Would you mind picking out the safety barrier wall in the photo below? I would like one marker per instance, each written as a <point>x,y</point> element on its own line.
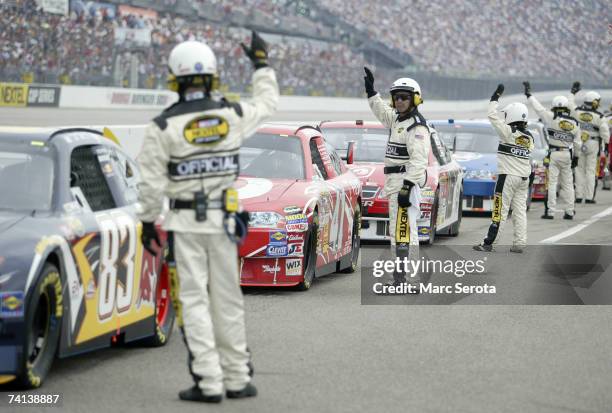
<point>103,98</point>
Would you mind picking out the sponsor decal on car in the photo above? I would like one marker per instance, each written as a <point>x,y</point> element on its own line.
<point>423,230</point>
<point>296,219</point>
<point>295,250</point>
<point>278,238</point>
<point>293,267</point>
<point>292,209</point>
<point>295,238</point>
<point>301,227</point>
<point>276,250</point>
<point>271,269</point>
<point>11,304</point>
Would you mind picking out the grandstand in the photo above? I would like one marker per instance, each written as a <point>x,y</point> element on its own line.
<point>456,49</point>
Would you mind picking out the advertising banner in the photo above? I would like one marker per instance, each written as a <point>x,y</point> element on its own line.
<point>55,6</point>
<point>13,94</point>
<point>44,96</point>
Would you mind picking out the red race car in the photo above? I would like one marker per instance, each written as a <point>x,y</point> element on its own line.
<point>440,198</point>
<point>304,206</point>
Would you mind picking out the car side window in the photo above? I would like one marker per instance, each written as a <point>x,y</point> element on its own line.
<point>317,159</point>
<point>88,168</point>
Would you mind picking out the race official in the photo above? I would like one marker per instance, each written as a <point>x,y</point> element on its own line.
<point>595,135</point>
<point>190,155</point>
<point>563,142</point>
<point>405,162</point>
<point>514,168</point>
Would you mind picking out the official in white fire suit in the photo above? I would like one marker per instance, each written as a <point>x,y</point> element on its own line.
<point>513,170</point>
<point>190,155</point>
<point>563,142</point>
<point>406,159</point>
<point>595,135</point>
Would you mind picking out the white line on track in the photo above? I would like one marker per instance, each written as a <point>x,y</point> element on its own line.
<point>578,227</point>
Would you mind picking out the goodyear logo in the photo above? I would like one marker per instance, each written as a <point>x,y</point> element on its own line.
<point>11,304</point>
<point>522,141</point>
<point>586,117</point>
<point>206,130</point>
<point>566,125</point>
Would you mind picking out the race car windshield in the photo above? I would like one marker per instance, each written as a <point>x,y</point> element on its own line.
<point>272,156</point>
<point>480,140</point>
<point>26,173</point>
<point>369,143</point>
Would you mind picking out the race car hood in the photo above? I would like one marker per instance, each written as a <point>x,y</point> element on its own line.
<point>369,173</point>
<point>8,219</point>
<point>474,161</point>
<point>261,194</point>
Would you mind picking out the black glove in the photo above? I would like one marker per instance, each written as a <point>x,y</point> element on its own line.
<point>498,92</point>
<point>149,234</point>
<point>574,162</point>
<point>575,88</point>
<point>368,79</point>
<point>527,86</point>
<point>258,52</point>
<point>403,198</point>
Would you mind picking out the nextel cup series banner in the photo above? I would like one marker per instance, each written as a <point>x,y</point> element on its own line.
<point>21,95</point>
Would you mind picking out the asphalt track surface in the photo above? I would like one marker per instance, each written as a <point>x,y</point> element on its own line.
<point>323,351</point>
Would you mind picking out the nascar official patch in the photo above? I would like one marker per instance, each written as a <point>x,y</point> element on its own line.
<point>206,130</point>
<point>586,117</point>
<point>566,125</point>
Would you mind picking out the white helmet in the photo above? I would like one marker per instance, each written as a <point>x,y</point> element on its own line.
<point>192,58</point>
<point>408,85</point>
<point>591,97</point>
<point>515,112</point>
<point>560,102</point>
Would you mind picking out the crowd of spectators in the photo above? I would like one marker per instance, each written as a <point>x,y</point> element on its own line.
<point>80,48</point>
<point>560,39</point>
<point>507,37</point>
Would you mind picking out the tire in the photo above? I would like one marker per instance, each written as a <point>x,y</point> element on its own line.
<point>164,311</point>
<point>432,221</point>
<point>310,254</point>
<point>43,324</point>
<point>355,244</point>
<point>454,229</point>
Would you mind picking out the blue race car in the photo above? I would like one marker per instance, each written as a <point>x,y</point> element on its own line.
<point>474,144</point>
<point>74,276</point>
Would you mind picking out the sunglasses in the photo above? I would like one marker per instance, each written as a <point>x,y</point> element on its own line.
<point>402,96</point>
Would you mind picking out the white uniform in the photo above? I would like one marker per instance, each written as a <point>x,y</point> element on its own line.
<point>193,146</point>
<point>563,141</point>
<point>513,170</point>
<point>408,150</point>
<point>594,134</point>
